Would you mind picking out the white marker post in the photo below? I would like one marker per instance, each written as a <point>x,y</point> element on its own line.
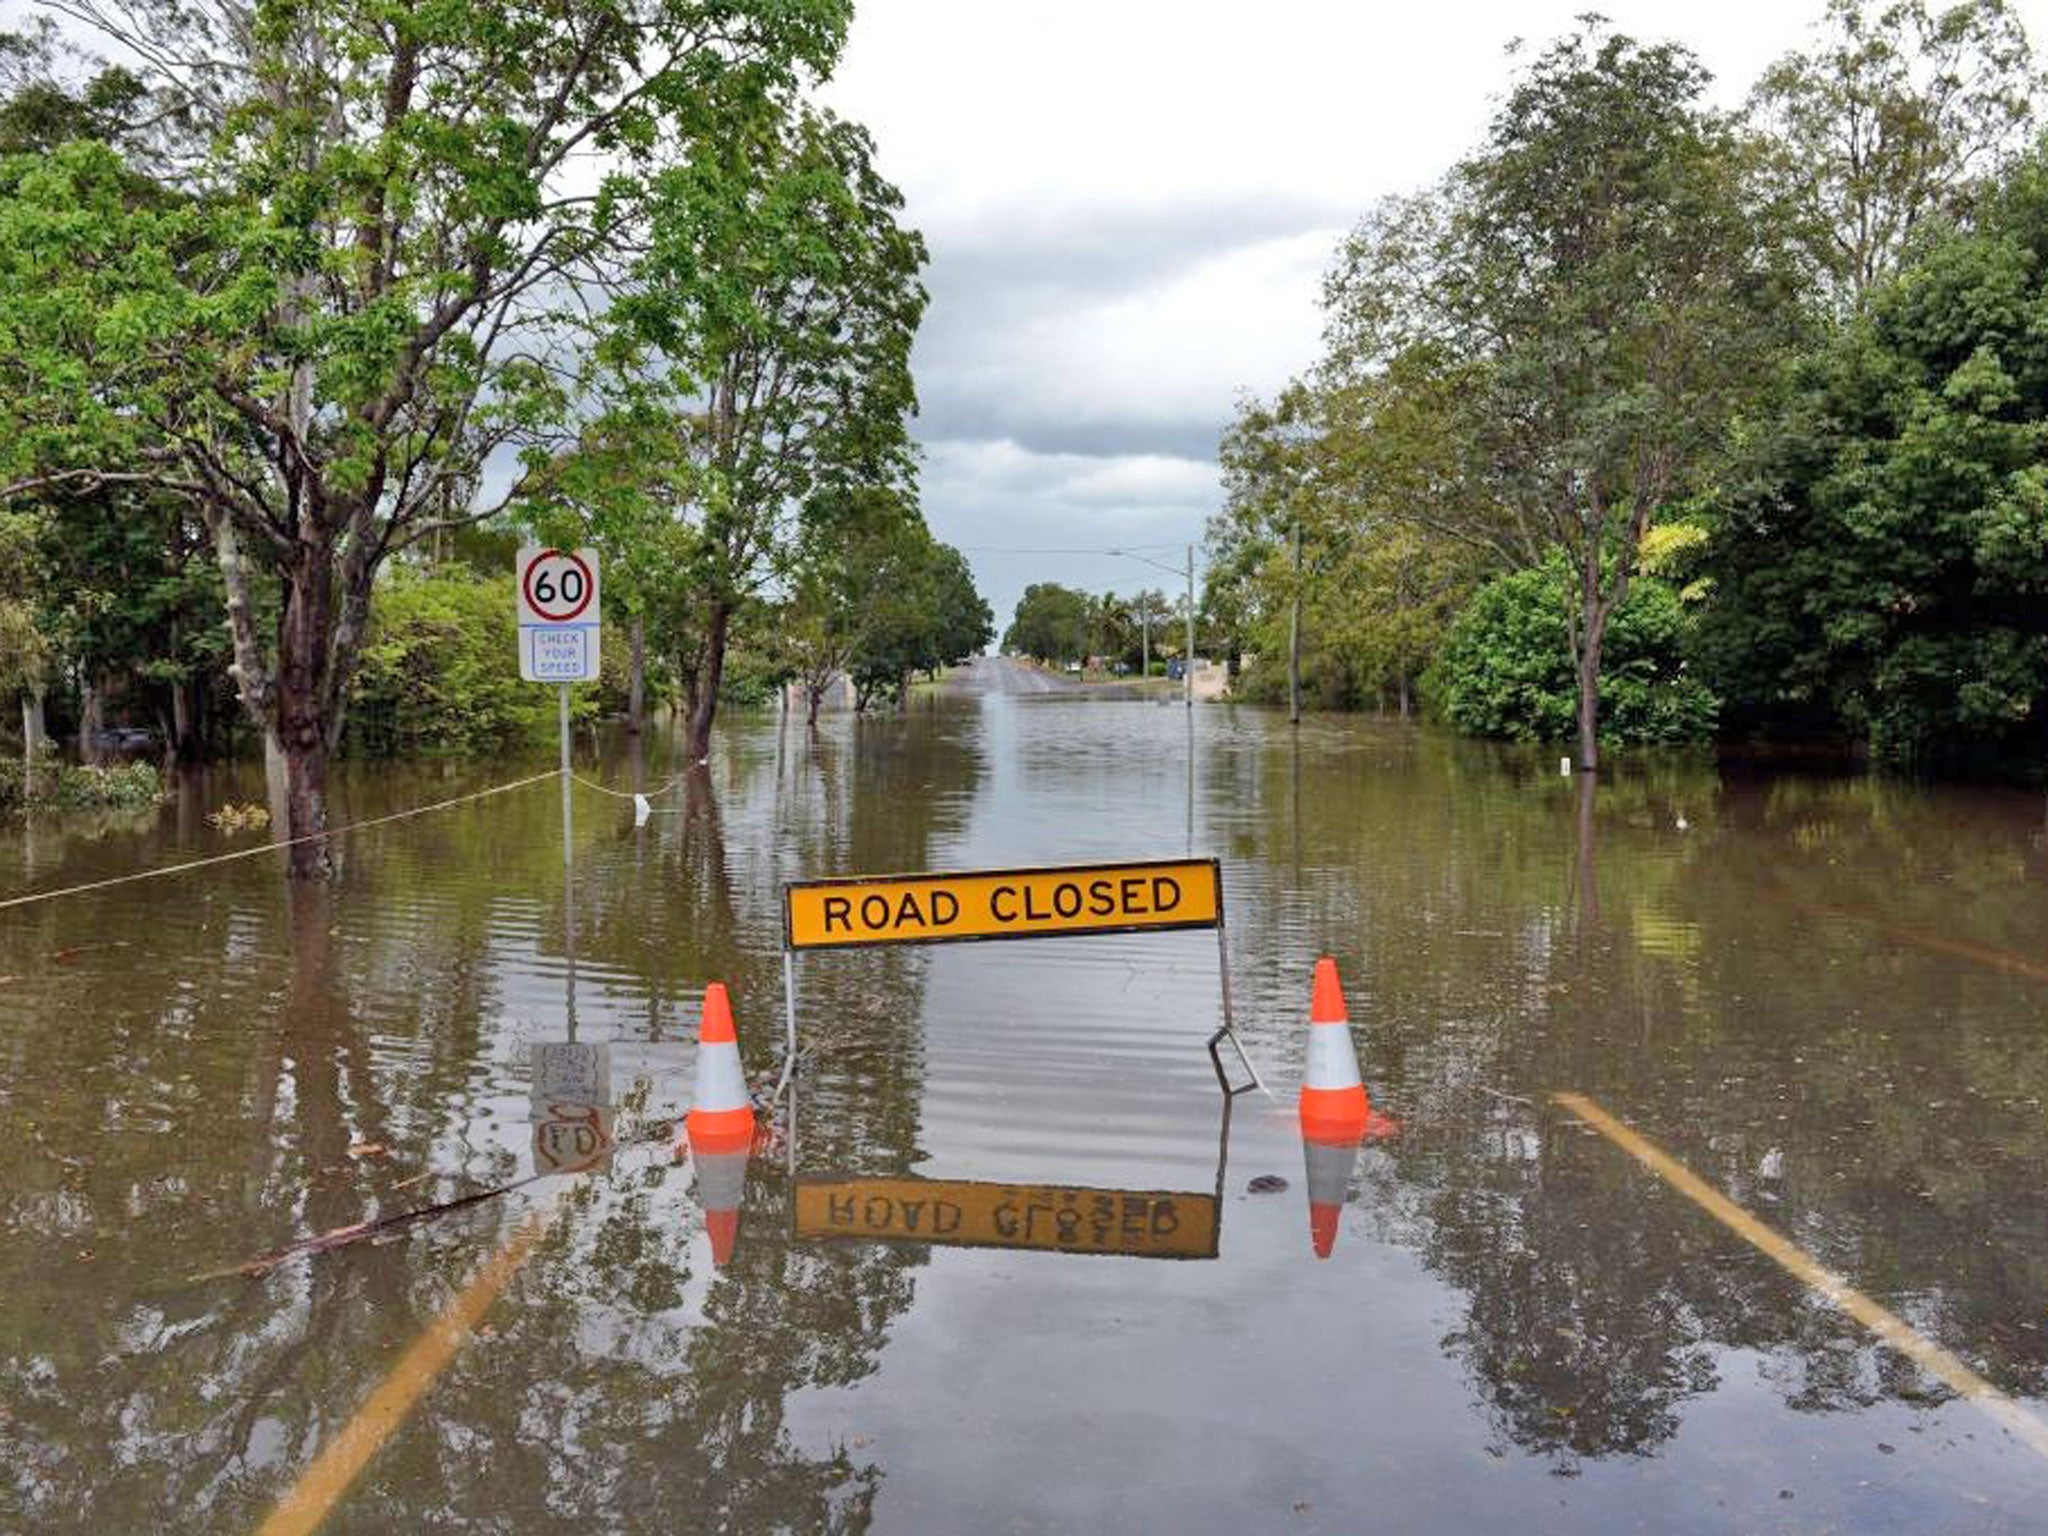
<point>558,634</point>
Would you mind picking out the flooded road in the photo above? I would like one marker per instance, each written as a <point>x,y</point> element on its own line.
<point>1824,997</point>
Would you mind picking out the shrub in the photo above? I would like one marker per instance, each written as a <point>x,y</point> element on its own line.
<point>440,670</point>
<point>1507,670</point>
<point>69,787</point>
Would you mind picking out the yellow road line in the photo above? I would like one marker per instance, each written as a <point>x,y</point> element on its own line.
<point>323,1483</point>
<point>1887,1325</point>
<point>1997,959</point>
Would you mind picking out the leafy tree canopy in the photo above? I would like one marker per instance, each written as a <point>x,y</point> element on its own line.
<point>1052,623</point>
<point>1881,567</point>
<point>1504,671</point>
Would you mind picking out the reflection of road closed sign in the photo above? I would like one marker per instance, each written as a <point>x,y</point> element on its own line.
<point>1136,1223</point>
<point>558,615</point>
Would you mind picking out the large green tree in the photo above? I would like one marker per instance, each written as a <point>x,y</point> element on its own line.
<point>924,614</point>
<point>1596,282</point>
<point>362,305</point>
<point>126,597</point>
<point>1893,119</point>
<point>1052,623</point>
<point>1880,569</point>
<point>854,555</point>
<point>1329,575</point>
<point>781,286</point>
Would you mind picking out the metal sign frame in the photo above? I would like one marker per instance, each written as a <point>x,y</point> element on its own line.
<point>1227,1030</point>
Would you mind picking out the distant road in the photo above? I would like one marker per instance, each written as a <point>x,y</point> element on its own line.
<point>999,674</point>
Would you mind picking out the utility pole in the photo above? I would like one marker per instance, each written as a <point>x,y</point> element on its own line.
<point>1145,635</point>
<point>1188,670</point>
<point>1294,633</point>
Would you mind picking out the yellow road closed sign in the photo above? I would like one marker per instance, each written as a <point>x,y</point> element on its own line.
<point>1003,904</point>
<point>1135,1223</point>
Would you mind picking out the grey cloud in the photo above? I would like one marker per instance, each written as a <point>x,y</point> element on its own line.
<point>1023,257</point>
<point>947,416</point>
<point>1005,347</point>
<point>1022,516</point>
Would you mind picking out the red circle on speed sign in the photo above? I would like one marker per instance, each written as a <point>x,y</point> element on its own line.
<point>586,588</point>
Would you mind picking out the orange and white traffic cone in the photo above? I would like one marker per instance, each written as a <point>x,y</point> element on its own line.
<point>1335,1111</point>
<point>1333,1102</point>
<point>720,1125</point>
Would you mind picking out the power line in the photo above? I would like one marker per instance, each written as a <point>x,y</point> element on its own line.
<point>1121,549</point>
<point>262,848</point>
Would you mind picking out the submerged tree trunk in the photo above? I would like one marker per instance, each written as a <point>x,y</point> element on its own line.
<point>184,742</point>
<point>92,721</point>
<point>303,727</point>
<point>1589,706</point>
<point>296,702</point>
<point>1583,865</point>
<point>34,736</point>
<point>814,695</point>
<point>1589,636</point>
<point>704,695</point>
<point>636,681</point>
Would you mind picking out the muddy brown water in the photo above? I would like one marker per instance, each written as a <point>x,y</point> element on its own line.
<point>1825,995</point>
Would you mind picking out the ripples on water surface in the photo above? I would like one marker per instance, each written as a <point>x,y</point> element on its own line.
<point>1825,995</point>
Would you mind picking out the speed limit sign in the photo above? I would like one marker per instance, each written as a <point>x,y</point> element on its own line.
<point>558,615</point>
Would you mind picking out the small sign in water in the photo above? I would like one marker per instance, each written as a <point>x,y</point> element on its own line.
<point>571,1106</point>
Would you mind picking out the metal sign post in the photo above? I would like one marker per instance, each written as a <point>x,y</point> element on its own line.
<point>559,636</point>
<point>980,905</point>
<point>559,642</point>
<point>568,815</point>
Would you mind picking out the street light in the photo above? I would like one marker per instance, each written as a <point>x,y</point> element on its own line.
<point>1189,669</point>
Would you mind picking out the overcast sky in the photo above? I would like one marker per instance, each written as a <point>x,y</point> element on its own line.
<point>1130,205</point>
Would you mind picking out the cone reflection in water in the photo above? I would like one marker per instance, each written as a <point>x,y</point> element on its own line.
<point>721,1184</point>
<point>1329,1177</point>
<point>720,1125</point>
<point>1330,1162</point>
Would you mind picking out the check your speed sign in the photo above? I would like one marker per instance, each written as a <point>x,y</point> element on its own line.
<point>558,615</point>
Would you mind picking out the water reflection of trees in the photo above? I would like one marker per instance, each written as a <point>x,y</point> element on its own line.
<point>1765,992</point>
<point>663,1394</point>
<point>173,1116</point>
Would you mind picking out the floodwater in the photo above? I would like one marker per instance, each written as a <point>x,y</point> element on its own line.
<point>1823,995</point>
